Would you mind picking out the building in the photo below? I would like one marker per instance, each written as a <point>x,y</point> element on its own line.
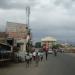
<point>19,32</point>
<point>48,41</point>
<point>3,36</point>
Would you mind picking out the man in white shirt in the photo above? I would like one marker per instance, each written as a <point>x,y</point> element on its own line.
<point>34,55</point>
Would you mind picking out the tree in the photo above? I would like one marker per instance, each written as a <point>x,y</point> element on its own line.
<point>38,44</point>
<point>56,46</point>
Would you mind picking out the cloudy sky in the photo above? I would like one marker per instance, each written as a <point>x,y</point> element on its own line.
<point>48,17</point>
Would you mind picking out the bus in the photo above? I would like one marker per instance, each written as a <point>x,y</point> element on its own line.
<point>5,53</point>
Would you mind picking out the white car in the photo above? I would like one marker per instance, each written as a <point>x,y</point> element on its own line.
<point>50,51</point>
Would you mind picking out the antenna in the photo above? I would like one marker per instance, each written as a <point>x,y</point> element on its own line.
<point>27,15</point>
<point>27,22</point>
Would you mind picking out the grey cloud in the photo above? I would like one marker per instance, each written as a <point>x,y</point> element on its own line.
<point>59,34</point>
<point>46,21</point>
<point>65,3</point>
<point>23,3</point>
<point>4,4</point>
<point>19,4</point>
<point>63,30</point>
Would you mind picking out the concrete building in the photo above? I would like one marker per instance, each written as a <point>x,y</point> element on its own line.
<point>48,41</point>
<point>19,32</point>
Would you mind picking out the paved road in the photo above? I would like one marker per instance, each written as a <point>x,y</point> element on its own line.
<point>63,64</point>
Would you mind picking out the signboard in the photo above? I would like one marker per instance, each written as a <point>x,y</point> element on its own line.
<point>16,30</point>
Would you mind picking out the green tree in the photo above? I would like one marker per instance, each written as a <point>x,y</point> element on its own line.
<point>56,46</point>
<point>38,44</point>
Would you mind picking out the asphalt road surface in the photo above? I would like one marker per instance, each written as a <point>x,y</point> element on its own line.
<point>62,64</point>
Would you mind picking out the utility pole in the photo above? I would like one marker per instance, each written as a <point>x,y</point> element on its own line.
<point>27,22</point>
<point>27,15</point>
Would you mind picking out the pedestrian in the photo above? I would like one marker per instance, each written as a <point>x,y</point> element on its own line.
<point>41,56</point>
<point>34,55</point>
<point>37,59</point>
<point>54,50</point>
<point>46,52</point>
<point>27,58</point>
<point>30,57</point>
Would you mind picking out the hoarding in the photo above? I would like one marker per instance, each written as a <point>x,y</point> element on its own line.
<point>16,30</point>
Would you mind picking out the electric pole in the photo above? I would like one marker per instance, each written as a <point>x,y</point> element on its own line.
<point>27,22</point>
<point>27,15</point>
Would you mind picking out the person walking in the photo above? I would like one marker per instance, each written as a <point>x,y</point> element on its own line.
<point>30,57</point>
<point>37,59</point>
<point>55,52</point>
<point>54,48</point>
<point>41,56</point>
<point>27,58</point>
<point>34,55</point>
<point>46,52</point>
<point>45,49</point>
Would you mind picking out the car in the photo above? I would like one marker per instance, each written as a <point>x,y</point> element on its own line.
<point>50,51</point>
